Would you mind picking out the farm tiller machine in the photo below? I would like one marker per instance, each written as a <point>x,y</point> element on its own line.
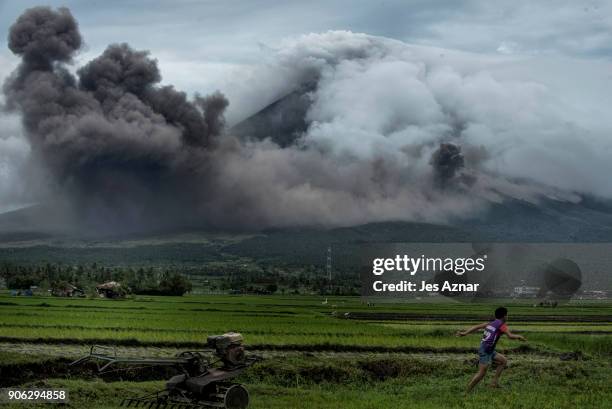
<point>205,376</point>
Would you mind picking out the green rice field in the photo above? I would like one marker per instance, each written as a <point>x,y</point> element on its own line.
<point>343,353</point>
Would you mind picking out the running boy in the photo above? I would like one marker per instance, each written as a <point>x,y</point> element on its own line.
<point>492,331</point>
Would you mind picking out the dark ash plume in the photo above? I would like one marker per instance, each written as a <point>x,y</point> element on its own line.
<point>123,148</point>
<point>42,35</point>
<point>213,106</point>
<point>447,160</point>
<point>119,70</point>
<point>129,154</point>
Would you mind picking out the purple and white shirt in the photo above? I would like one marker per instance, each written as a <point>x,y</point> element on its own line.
<point>491,334</point>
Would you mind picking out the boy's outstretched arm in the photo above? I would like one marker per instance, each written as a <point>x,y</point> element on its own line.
<point>515,336</point>
<point>472,329</point>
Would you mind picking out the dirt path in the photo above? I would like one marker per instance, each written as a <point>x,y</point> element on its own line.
<point>312,348</point>
<point>70,351</point>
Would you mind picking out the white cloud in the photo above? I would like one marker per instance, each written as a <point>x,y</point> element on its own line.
<point>377,95</point>
<point>14,152</point>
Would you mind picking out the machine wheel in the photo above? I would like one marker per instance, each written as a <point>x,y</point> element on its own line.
<point>236,397</point>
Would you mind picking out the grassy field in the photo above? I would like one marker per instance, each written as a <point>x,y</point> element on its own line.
<point>343,354</point>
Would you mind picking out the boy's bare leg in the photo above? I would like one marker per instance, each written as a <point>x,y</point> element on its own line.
<point>501,362</point>
<point>482,370</point>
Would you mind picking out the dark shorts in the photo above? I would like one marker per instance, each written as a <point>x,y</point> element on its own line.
<point>484,357</point>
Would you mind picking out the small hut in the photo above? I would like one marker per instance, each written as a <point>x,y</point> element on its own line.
<point>110,289</point>
<point>66,290</point>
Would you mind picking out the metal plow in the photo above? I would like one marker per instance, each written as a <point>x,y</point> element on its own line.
<point>230,396</point>
<point>155,404</point>
<point>107,360</point>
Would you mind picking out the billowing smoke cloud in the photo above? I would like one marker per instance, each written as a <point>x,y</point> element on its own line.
<point>447,160</point>
<point>513,117</point>
<point>42,36</point>
<point>389,133</point>
<point>124,149</point>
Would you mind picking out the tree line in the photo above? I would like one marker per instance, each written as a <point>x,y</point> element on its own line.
<point>147,281</point>
<point>240,276</point>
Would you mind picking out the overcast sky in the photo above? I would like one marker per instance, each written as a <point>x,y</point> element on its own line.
<point>202,46</point>
<point>198,41</point>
